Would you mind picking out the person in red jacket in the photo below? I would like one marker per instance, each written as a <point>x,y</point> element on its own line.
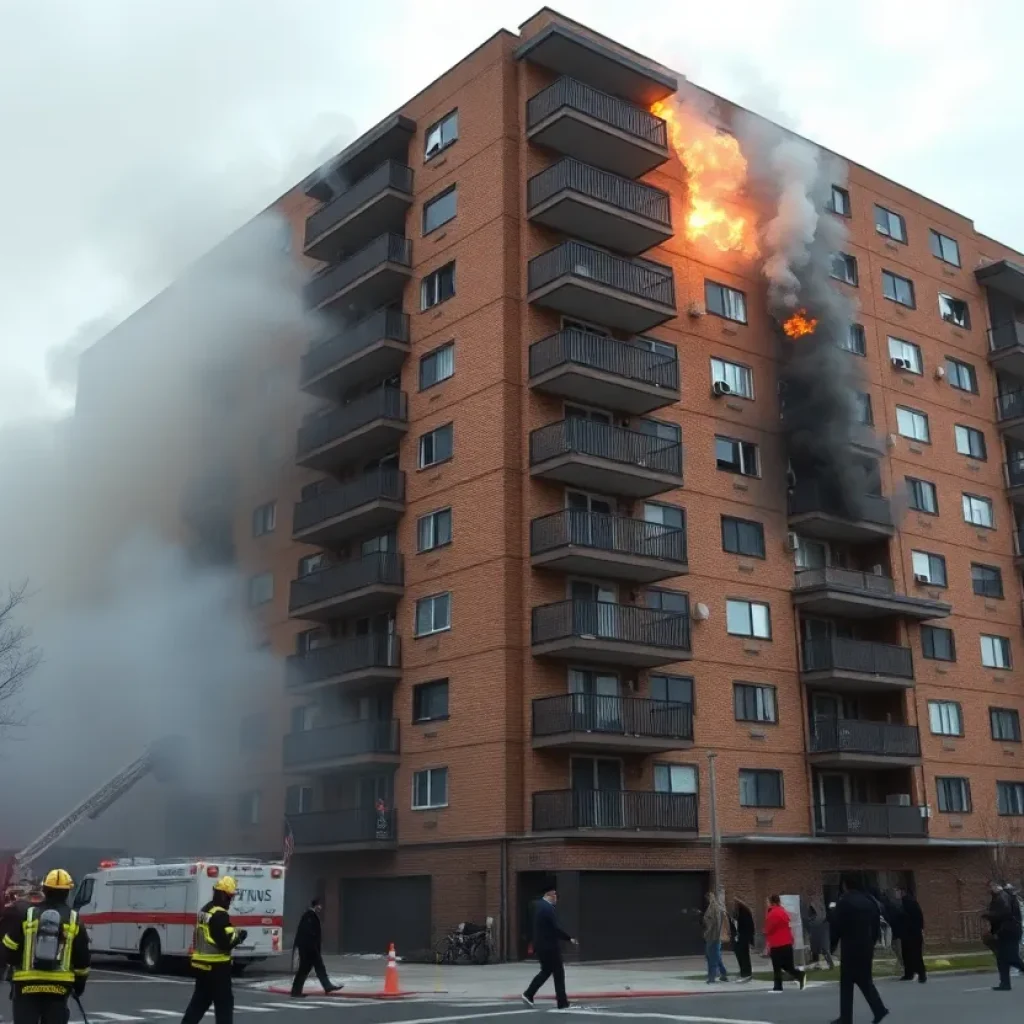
<point>778,937</point>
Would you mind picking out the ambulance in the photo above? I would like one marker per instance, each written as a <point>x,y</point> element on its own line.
<point>146,909</point>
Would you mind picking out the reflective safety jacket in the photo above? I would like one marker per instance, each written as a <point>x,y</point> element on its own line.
<point>70,969</point>
<point>214,938</point>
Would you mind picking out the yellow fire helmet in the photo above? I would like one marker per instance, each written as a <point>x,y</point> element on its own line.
<point>58,878</point>
<point>226,884</point>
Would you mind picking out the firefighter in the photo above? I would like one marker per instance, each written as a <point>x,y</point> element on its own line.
<point>49,953</point>
<point>215,938</point>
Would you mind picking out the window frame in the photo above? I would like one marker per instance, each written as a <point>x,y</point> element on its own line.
<point>417,699</point>
<point>431,805</point>
<point>954,367</point>
<point>431,283</point>
<point>430,204</point>
<point>896,279</point>
<point>432,518</point>
<point>433,354</point>
<point>927,630</point>
<point>917,414</point>
<point>1014,719</point>
<point>750,607</point>
<point>439,126</point>
<point>741,447</point>
<point>434,630</point>
<point>759,773</point>
<point>945,709</point>
<point>939,560</point>
<point>724,291</point>
<point>935,240</point>
<point>844,194</point>
<point>849,261</point>
<point>971,433</point>
<point>1017,788</point>
<point>1005,644</point>
<point>745,522</point>
<point>979,501</point>
<point>755,690</point>
<point>912,482</point>
<point>941,791</point>
<point>421,464</point>
<point>856,342</point>
<point>996,577</point>
<point>745,373</point>
<point>916,362</point>
<point>667,767</point>
<point>251,584</point>
<point>948,318</point>
<point>264,519</point>
<point>889,215</point>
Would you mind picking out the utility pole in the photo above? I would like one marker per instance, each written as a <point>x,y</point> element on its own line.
<point>716,876</point>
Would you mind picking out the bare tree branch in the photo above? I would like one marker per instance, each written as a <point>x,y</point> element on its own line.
<point>18,657</point>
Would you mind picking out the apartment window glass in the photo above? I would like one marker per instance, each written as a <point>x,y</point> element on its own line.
<point>725,302</point>
<point>854,340</point>
<point>953,795</point>
<point>433,614</point>
<point>748,618</point>
<point>438,286</point>
<point>961,375</point>
<point>667,601</point>
<point>986,580</point>
<point>1010,798</point>
<point>303,718</point>
<point>938,643</point>
<point>945,718</point>
<point>995,651</point>
<point>663,431</point>
<point>298,800</point>
<point>430,789</point>
<point>1005,724</point>
<point>249,808</point>
<point>970,442</point>
<point>907,352</point>
<point>675,778</point>
<point>839,201</point>
<point>742,537</point>
<point>672,689</point>
<point>437,446</point>
<point>811,554</point>
<point>669,516</point>
<point>912,423</point>
<point>261,589</point>
<point>954,311</point>
<point>760,788</point>
<point>434,530</point>
<point>312,563</point>
<point>978,511</point>
<point>733,456</point>
<point>844,267</point>
<point>944,248</point>
<point>898,289</point>
<point>922,496</point>
<point>754,703</point>
<point>430,701</point>
<point>890,224</point>
<point>862,407</point>
<point>441,134</point>
<point>437,366</point>
<point>439,210</point>
<point>264,519</point>
<point>738,378</point>
<point>929,568</point>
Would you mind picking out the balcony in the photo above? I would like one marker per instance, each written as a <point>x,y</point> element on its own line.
<point>585,283</point>
<point>596,128</point>
<point>368,427</point>
<point>368,743</point>
<point>370,207</point>
<point>1018,547</point>
<point>606,633</point>
<point>355,663</point>
<point>605,459</point>
<point>595,206</point>
<point>814,513</point>
<point>360,828</point>
<point>598,811</point>
<point>587,367</point>
<point>610,547</point>
<point>857,665</point>
<point>1010,414</point>
<point>359,587</point>
<point>863,595</point>
<point>852,743</point>
<point>368,505</point>
<point>870,821</point>
<point>1014,474</point>
<point>371,350</point>
<point>368,279</point>
<point>591,722</point>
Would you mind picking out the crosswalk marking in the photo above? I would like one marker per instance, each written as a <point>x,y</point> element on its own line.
<point>160,1013</point>
<point>120,1017</point>
<point>256,1009</point>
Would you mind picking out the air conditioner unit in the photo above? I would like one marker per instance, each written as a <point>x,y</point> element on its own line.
<point>792,541</point>
<point>695,310</point>
<point>720,388</point>
<point>899,364</point>
<point>940,372</point>
<point>877,570</point>
<point>898,799</point>
<point>920,578</point>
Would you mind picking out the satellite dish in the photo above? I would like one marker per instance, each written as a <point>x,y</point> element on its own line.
<point>701,611</point>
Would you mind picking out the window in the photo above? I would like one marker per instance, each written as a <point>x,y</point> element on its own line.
<point>898,289</point>
<point>938,643</point>
<point>742,537</point>
<point>675,778</point>
<point>298,800</point>
<point>929,568</point>
<point>434,530</point>
<point>672,689</point>
<point>261,589</point>
<point>312,563</point>
<point>953,795</point>
<point>954,311</point>
<point>748,618</point>
<point>1010,798</point>
<point>986,580</point>
<point>437,446</point>
<point>83,895</point>
<point>433,614</point>
<point>945,718</point>
<point>439,210</point>
<point>669,516</point>
<point>922,496</point>
<point>441,134</point>
<point>734,456</point>
<point>303,718</point>
<point>663,431</point>
<point>253,731</point>
<point>907,351</point>
<point>430,789</point>
<point>1005,724</point>
<point>759,788</point>
<point>438,286</point>
<point>844,267</point>
<point>854,340</point>
<point>264,519</point>
<point>249,808</point>
<point>995,651</point>
<point>430,701</point>
<point>970,442</point>
<point>978,511</point>
<point>961,375</point>
<point>725,302</point>
<point>890,224</point>
<point>912,423</point>
<point>437,366</point>
<point>738,378</point>
<point>944,248</point>
<point>754,703</point>
<point>839,201</point>
<point>862,407</point>
<point>667,601</point>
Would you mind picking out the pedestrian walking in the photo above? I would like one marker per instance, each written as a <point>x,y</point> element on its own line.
<point>308,944</point>
<point>856,927</point>
<point>547,939</point>
<point>778,937</point>
<point>714,923</point>
<point>1006,935</point>
<point>742,933</point>
<point>893,916</point>
<point>818,937</point>
<point>912,939</point>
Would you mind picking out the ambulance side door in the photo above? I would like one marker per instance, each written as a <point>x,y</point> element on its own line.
<point>122,929</point>
<point>179,931</point>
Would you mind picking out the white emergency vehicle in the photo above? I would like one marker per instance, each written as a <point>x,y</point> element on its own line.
<point>147,909</point>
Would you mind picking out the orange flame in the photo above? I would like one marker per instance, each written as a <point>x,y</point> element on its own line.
<point>799,325</point>
<point>716,170</point>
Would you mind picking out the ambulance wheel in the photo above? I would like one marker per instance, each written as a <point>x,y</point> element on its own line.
<point>149,950</point>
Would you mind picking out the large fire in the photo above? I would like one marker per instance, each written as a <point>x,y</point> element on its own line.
<point>716,171</point>
<point>799,325</point>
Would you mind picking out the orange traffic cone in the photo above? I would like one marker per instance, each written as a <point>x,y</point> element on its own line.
<point>391,974</point>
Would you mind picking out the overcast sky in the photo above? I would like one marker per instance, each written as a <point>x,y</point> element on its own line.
<point>135,135</point>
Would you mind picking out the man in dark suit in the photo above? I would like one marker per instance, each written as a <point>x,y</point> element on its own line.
<point>547,939</point>
<point>856,927</point>
<point>308,940</point>
<point>913,937</point>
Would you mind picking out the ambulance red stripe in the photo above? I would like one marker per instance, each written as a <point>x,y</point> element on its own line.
<point>127,917</point>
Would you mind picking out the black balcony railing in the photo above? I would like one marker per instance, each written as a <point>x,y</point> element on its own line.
<point>842,655</point>
<point>881,821</point>
<point>594,352</point>
<point>600,532</point>
<point>335,278</point>
<point>331,828</point>
<point>338,742</point>
<point>1006,335</point>
<point>381,569</point>
<point>1014,470</point>
<point>614,716</point>
<point>863,583</point>
<point>1018,536</point>
<point>831,735</point>
<point>627,810</point>
<point>333,425</point>
<point>353,654</point>
<point>615,623</point>
<point>377,485</point>
<point>390,174</point>
<point>567,92</point>
<point>808,496</point>
<point>1010,406</point>
<point>646,281</point>
<point>605,441</point>
<point>384,324</point>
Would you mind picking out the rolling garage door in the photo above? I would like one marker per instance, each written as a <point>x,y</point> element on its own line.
<point>376,911</point>
<point>633,914</point>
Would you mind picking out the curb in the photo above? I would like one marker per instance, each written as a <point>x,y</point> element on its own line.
<point>631,994</point>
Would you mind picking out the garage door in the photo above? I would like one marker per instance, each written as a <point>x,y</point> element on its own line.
<point>376,911</point>
<point>627,914</point>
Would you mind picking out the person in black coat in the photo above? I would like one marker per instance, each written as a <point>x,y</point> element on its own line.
<point>741,927</point>
<point>547,939</point>
<point>1006,933</point>
<point>856,927</point>
<point>308,942</point>
<point>912,937</point>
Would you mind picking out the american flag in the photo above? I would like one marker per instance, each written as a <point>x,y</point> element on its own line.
<point>289,842</point>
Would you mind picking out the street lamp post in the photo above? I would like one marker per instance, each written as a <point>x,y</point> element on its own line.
<point>716,876</point>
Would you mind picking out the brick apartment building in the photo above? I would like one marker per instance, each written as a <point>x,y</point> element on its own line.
<point>541,561</point>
